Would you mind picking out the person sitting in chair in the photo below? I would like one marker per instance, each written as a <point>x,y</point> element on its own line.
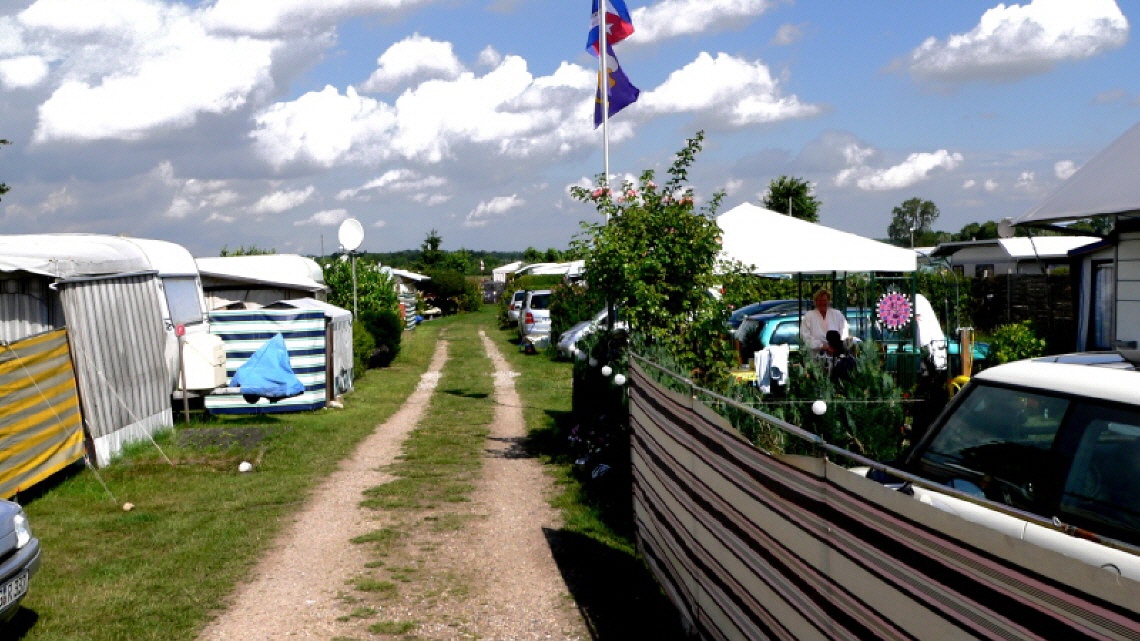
<point>816,323</point>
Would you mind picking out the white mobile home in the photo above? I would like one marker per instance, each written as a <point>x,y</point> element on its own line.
<point>105,291</point>
<point>252,282</point>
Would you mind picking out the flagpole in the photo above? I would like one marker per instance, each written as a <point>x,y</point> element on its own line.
<point>604,79</point>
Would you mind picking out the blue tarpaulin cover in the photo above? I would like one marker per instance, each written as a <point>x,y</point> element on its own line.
<point>268,373</point>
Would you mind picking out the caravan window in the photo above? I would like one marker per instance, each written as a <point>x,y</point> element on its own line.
<point>183,299</point>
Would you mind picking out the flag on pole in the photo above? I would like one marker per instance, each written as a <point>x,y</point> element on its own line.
<point>622,93</point>
<point>619,25</point>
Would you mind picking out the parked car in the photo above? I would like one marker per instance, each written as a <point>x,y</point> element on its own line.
<point>568,340</point>
<point>20,554</point>
<point>515,305</point>
<point>758,331</point>
<point>1055,437</point>
<point>766,307</point>
<point>534,317</point>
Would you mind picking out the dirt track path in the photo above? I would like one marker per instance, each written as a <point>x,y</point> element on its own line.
<point>295,589</point>
<point>515,588</point>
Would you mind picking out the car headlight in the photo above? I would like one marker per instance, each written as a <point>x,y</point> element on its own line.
<point>23,530</point>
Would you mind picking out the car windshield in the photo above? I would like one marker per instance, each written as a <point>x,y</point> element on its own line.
<point>999,439</point>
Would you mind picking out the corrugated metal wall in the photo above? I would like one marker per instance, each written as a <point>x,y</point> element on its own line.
<point>41,431</point>
<point>27,307</point>
<point>118,341</point>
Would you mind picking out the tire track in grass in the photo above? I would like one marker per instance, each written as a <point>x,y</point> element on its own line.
<point>296,589</point>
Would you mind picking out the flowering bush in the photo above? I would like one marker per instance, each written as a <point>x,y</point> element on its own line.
<point>655,258</point>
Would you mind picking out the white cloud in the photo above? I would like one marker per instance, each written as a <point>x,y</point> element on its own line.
<point>431,200</point>
<point>916,168</point>
<point>969,184</point>
<point>217,217</point>
<point>1026,181</point>
<point>494,208</point>
<point>22,72</point>
<point>672,18</point>
<point>1064,168</point>
<point>279,16</point>
<point>990,185</point>
<point>282,201</point>
<point>733,186</point>
<point>380,223</point>
<point>508,111</point>
<point>735,90</point>
<point>413,60</point>
<point>489,57</point>
<point>321,127</point>
<point>403,181</point>
<point>1018,40</point>
<point>130,68</point>
<point>326,218</point>
<point>788,34</point>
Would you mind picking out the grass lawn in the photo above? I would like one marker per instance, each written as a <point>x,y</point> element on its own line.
<point>198,527</point>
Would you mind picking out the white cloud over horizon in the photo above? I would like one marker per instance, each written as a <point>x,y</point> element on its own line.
<point>497,207</point>
<point>1012,41</point>
<point>916,168</point>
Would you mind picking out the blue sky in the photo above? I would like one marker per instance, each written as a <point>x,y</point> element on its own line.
<point>268,122</point>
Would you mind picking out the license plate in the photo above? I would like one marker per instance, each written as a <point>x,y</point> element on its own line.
<point>11,591</point>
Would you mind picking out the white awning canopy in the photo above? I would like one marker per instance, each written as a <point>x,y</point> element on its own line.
<point>773,243</point>
<point>288,270</point>
<point>71,255</point>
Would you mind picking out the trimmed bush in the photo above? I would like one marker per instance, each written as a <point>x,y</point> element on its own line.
<point>386,328</point>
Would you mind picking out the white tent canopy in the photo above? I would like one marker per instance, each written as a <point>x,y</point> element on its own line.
<point>291,270</point>
<point>1104,185</point>
<point>773,243</point>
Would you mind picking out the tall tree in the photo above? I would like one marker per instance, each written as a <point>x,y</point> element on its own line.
<point>913,216</point>
<point>4,187</point>
<point>430,254</point>
<point>792,196</point>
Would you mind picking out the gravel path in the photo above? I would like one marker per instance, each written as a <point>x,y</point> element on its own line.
<point>295,588</point>
<point>515,588</point>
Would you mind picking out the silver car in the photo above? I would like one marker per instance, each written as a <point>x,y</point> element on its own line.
<point>20,554</point>
<point>534,317</point>
<point>516,305</point>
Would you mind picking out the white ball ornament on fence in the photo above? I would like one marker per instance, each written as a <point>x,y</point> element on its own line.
<point>818,408</point>
<point>619,379</point>
<point>593,362</point>
<point>580,355</point>
<point>607,370</point>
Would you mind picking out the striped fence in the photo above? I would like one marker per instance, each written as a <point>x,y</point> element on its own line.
<point>750,545</point>
<point>41,429</point>
<point>244,331</point>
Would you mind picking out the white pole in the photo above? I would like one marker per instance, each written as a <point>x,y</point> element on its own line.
<point>604,80</point>
<point>355,312</point>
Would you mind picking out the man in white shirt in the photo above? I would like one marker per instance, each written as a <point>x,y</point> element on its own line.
<point>817,322</point>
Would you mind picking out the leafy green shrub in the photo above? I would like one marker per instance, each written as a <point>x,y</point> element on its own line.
<point>471,299</point>
<point>1014,342</point>
<point>386,328</point>
<point>571,304</point>
<point>449,288</point>
<point>374,289</point>
<point>864,411</point>
<point>362,347</point>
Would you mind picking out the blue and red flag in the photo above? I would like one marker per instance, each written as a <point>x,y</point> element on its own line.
<point>622,93</point>
<point>619,25</point>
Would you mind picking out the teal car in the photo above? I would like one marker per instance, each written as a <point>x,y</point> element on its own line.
<point>759,331</point>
